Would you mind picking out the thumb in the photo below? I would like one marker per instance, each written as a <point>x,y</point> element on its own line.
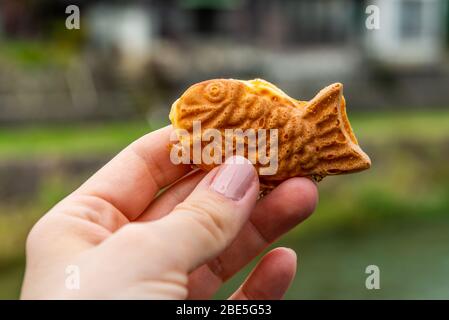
<point>202,226</point>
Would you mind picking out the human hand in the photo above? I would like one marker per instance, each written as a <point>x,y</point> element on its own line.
<point>128,240</point>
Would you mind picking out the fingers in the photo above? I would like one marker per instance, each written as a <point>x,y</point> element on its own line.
<point>131,179</point>
<point>281,210</point>
<point>271,277</point>
<point>174,195</point>
<point>278,212</point>
<point>209,219</point>
<point>286,206</point>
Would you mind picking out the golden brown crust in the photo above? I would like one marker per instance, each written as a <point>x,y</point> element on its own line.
<point>315,138</point>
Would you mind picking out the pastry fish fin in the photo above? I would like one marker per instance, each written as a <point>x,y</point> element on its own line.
<point>333,141</point>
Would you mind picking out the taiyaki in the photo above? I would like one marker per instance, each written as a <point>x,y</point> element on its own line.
<point>314,138</point>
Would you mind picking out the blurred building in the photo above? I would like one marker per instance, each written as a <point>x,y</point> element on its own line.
<point>414,33</point>
<point>303,45</point>
<point>137,55</point>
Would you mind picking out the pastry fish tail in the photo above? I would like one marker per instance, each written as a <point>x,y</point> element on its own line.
<point>334,145</point>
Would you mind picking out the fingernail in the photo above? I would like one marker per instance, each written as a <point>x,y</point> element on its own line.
<point>234,178</point>
<point>293,252</point>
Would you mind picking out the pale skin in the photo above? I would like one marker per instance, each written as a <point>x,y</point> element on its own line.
<point>131,241</point>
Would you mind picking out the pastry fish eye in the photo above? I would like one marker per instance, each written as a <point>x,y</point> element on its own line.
<point>215,91</point>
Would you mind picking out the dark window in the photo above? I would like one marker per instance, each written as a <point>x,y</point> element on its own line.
<point>411,19</point>
<point>318,21</point>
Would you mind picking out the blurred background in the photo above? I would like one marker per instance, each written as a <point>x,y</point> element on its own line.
<point>71,99</point>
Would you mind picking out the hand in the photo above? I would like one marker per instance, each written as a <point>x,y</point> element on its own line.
<point>129,240</point>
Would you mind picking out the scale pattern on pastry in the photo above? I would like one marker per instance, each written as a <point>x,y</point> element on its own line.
<point>315,138</point>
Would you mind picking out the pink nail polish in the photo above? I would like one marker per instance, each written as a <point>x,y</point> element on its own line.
<point>234,178</point>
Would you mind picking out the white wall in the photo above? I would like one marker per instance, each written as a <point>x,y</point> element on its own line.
<point>388,45</point>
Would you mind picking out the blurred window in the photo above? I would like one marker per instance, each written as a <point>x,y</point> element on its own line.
<point>411,24</point>
<point>317,22</point>
<point>209,17</point>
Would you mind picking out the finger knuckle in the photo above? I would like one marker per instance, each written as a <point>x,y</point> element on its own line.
<point>133,233</point>
<point>138,235</point>
<point>32,240</point>
<point>40,237</point>
<point>209,217</point>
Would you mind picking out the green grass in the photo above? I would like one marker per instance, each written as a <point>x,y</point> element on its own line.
<point>417,125</point>
<point>69,140</point>
<point>11,280</point>
<point>57,51</point>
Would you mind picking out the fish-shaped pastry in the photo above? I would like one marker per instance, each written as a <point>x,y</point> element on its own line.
<point>314,138</point>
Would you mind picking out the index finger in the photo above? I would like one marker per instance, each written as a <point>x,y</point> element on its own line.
<point>132,178</point>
